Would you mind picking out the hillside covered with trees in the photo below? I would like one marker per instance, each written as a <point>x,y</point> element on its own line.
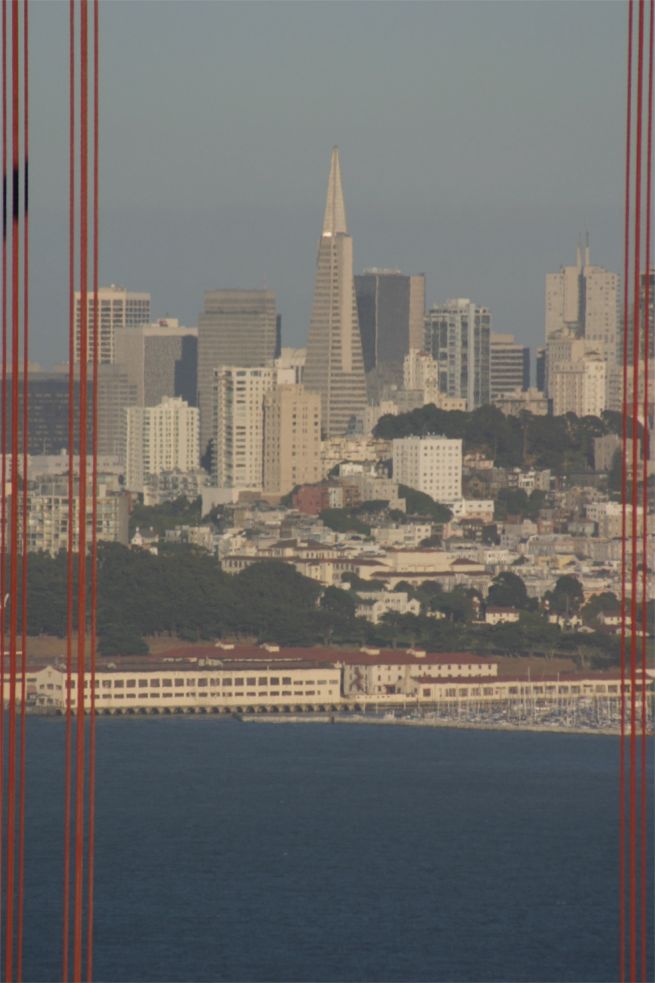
<point>183,593</point>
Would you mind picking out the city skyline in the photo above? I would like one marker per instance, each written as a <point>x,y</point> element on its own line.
<point>476,193</point>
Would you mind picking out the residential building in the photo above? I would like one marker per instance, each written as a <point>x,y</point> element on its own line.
<point>160,359</point>
<point>160,438</point>
<point>429,464</point>
<point>292,438</point>
<point>118,308</point>
<point>237,327</point>
<point>391,309</point>
<point>457,335</point>
<point>290,366</point>
<point>579,386</point>
<point>48,514</point>
<point>238,426</point>
<point>513,403</point>
<point>334,366</point>
<point>509,365</point>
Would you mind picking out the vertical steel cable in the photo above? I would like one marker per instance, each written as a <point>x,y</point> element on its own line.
<point>3,425</point>
<point>624,495</point>
<point>78,905</point>
<point>94,502</point>
<point>10,878</point>
<point>634,498</point>
<point>25,545</point>
<point>645,446</point>
<point>71,494</point>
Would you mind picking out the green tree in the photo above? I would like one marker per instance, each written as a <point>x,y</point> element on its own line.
<point>566,597</point>
<point>508,590</point>
<point>418,503</point>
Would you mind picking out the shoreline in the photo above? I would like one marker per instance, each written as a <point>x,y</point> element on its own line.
<point>443,724</point>
<point>359,720</point>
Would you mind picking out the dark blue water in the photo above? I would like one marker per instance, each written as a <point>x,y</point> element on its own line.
<point>229,851</point>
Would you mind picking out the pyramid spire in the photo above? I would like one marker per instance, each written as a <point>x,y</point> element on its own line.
<point>334,220</point>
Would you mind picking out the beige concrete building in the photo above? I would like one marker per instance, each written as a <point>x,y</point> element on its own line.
<point>118,309</point>
<point>522,401</point>
<point>292,438</point>
<point>580,386</point>
<point>238,426</point>
<point>160,438</point>
<point>584,300</point>
<point>251,684</point>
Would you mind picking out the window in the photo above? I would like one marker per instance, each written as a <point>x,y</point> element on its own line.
<point>275,680</point>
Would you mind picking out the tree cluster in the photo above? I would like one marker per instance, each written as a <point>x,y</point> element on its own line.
<point>561,443</point>
<point>183,593</point>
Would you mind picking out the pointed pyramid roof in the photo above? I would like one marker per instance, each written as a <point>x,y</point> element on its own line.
<point>334,220</point>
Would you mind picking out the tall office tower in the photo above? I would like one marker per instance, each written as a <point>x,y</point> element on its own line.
<point>430,464</point>
<point>510,365</point>
<point>115,395</point>
<point>118,309</point>
<point>160,438</point>
<point>47,394</point>
<point>238,427</point>
<point>457,335</point>
<point>584,300</point>
<point>160,359</point>
<point>237,327</point>
<point>292,438</point>
<point>391,309</point>
<point>540,369</point>
<point>334,366</point>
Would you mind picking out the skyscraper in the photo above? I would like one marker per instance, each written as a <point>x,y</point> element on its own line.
<point>160,359</point>
<point>391,308</point>
<point>118,308</point>
<point>237,327</point>
<point>334,365</point>
<point>292,438</point>
<point>238,427</point>
<point>510,365</point>
<point>160,438</point>
<point>457,335</point>
<point>584,300</point>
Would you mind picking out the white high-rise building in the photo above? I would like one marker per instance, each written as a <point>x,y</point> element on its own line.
<point>160,438</point>
<point>585,301</point>
<point>238,429</point>
<point>429,464</point>
<point>118,308</point>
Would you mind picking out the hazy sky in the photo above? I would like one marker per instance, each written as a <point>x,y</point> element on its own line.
<point>477,140</point>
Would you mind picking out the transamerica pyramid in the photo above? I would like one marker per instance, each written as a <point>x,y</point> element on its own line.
<point>334,365</point>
